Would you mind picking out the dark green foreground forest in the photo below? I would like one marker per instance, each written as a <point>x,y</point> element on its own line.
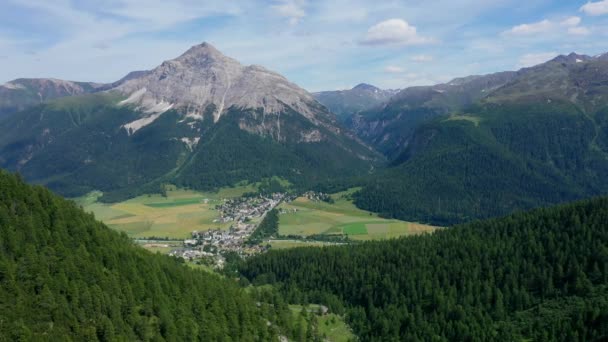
<point>65,276</point>
<point>541,275</point>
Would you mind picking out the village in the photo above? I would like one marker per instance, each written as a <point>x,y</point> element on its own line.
<point>244,213</point>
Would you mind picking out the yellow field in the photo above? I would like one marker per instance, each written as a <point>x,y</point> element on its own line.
<point>174,216</point>
<point>342,217</point>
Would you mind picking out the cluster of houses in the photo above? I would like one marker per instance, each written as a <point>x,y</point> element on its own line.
<point>244,209</point>
<point>211,243</point>
<point>316,196</point>
<point>190,254</point>
<point>223,239</point>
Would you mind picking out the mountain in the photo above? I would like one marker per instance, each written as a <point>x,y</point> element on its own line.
<point>345,103</point>
<point>201,120</point>
<point>539,139</point>
<point>389,127</point>
<point>65,276</point>
<point>22,93</point>
<point>536,276</point>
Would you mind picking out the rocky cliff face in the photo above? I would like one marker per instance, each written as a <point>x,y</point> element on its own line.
<point>203,76</point>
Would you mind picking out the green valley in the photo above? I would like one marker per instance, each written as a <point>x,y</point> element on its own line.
<point>304,217</point>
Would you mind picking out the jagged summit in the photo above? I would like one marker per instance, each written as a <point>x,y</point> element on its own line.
<point>203,76</point>
<point>203,55</point>
<point>572,58</point>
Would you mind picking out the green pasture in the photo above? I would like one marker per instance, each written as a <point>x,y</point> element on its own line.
<point>304,217</point>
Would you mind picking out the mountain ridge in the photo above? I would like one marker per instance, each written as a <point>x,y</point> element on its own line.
<point>201,120</point>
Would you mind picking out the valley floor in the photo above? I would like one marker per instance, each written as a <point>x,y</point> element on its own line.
<point>165,223</point>
<point>305,217</point>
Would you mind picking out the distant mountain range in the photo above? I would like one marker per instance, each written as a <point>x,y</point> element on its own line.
<point>201,120</point>
<point>22,93</point>
<point>346,103</point>
<point>474,147</point>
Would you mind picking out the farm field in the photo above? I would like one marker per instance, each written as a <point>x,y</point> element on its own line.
<point>304,217</point>
<point>174,216</point>
<point>284,244</point>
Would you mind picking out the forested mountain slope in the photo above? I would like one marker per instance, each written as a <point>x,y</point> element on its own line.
<point>389,127</point>
<point>541,276</point>
<point>201,120</point>
<point>65,276</point>
<point>540,139</point>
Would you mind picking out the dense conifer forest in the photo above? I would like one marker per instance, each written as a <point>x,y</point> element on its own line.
<point>541,275</point>
<point>65,276</point>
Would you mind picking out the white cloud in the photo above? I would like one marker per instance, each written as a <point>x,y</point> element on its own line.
<point>579,31</point>
<point>595,8</point>
<point>394,31</point>
<point>422,58</point>
<point>531,29</point>
<point>291,9</point>
<point>569,25</point>
<point>532,59</point>
<point>571,22</point>
<point>391,69</point>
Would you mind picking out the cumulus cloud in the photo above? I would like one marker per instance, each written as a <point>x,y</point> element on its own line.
<point>394,31</point>
<point>532,59</point>
<point>392,69</point>
<point>422,58</point>
<point>293,10</point>
<point>595,8</point>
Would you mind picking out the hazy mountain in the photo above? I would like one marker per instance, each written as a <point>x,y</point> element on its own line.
<point>201,120</point>
<point>22,93</point>
<point>389,127</point>
<point>345,103</point>
<point>540,138</point>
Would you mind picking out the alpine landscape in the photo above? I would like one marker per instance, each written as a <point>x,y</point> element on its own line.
<point>181,191</point>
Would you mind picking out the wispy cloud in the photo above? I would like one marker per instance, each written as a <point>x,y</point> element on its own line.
<point>392,69</point>
<point>317,44</point>
<point>568,25</point>
<point>422,58</point>
<point>293,10</point>
<point>531,59</point>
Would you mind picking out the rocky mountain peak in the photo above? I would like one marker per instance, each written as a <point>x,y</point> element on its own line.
<point>203,76</point>
<point>203,55</point>
<point>572,58</point>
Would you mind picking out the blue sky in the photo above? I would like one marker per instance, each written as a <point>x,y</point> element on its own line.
<point>317,44</point>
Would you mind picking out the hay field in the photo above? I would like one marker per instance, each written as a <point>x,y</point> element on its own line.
<point>174,216</point>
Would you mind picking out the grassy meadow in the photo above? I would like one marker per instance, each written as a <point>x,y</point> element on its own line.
<point>182,211</point>
<point>331,326</point>
<point>174,216</point>
<point>342,217</point>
